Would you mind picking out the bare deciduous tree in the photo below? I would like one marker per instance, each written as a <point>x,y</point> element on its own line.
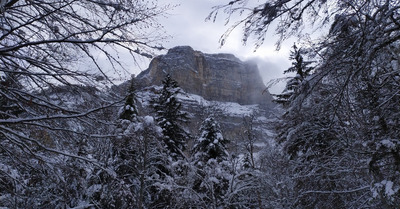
<point>51,55</point>
<point>44,43</point>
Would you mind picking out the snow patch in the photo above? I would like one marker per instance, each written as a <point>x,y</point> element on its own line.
<point>228,108</point>
<point>148,120</point>
<point>386,187</point>
<point>388,143</point>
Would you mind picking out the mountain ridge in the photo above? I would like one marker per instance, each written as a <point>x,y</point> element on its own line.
<point>218,77</point>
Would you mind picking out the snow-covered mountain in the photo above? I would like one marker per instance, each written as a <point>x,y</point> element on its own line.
<point>216,77</point>
<point>218,84</point>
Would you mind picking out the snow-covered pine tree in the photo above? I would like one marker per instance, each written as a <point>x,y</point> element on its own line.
<point>302,69</point>
<point>109,189</point>
<point>129,110</point>
<point>210,144</point>
<point>119,191</point>
<point>249,137</point>
<point>247,162</point>
<point>127,118</point>
<point>170,116</point>
<point>210,158</point>
<point>140,160</point>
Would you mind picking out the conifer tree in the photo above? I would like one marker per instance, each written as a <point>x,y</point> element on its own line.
<point>302,70</point>
<point>127,117</point>
<point>129,110</point>
<point>141,160</point>
<point>211,143</point>
<point>210,159</point>
<point>120,191</point>
<point>247,163</point>
<point>170,116</point>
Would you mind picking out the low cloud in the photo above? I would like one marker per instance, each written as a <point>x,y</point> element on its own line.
<point>271,70</point>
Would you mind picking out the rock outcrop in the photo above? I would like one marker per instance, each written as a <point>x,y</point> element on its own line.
<point>217,77</point>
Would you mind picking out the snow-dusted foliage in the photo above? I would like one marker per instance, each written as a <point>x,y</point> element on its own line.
<point>337,139</point>
<point>129,110</point>
<point>53,170</point>
<point>210,164</point>
<point>170,117</point>
<point>210,144</point>
<point>55,117</point>
<point>340,131</point>
<point>301,69</point>
<point>141,163</point>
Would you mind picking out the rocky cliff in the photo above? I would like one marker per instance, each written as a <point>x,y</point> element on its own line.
<point>217,77</point>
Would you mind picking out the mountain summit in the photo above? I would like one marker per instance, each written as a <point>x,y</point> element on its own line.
<point>217,77</point>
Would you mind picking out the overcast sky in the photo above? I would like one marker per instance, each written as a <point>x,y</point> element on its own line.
<point>187,26</point>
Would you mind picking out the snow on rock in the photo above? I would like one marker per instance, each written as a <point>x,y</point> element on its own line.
<point>228,108</point>
<point>235,109</point>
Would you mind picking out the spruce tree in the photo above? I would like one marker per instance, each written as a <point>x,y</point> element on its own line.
<point>127,119</point>
<point>302,70</point>
<point>140,159</point>
<point>129,110</point>
<point>210,144</point>
<point>210,159</point>
<point>119,191</point>
<point>170,116</point>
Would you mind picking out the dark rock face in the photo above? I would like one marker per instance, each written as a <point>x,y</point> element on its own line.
<point>218,77</point>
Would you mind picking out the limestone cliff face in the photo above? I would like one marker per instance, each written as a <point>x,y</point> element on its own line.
<point>218,77</point>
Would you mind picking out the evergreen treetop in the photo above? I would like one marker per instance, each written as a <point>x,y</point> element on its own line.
<point>170,116</point>
<point>211,143</point>
<point>302,69</point>
<point>129,110</point>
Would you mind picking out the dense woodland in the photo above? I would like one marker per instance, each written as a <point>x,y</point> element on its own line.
<point>66,141</point>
